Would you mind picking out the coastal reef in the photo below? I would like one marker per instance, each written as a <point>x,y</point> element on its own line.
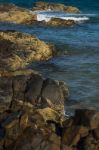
<point>11,13</point>
<point>55,6</point>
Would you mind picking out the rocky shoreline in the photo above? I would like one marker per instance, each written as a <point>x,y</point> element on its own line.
<point>31,106</point>
<point>32,115</point>
<point>15,14</point>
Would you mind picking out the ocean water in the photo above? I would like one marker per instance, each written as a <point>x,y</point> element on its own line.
<point>79,66</point>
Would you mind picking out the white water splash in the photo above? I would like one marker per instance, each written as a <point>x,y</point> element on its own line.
<point>45,16</point>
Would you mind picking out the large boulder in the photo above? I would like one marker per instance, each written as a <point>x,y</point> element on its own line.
<point>22,120</point>
<point>33,89</point>
<point>29,87</point>
<point>55,6</point>
<point>54,90</point>
<point>46,92</point>
<point>19,49</point>
<point>15,14</point>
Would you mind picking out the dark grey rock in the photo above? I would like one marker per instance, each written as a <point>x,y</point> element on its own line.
<point>54,91</point>
<point>33,89</point>
<point>6,93</point>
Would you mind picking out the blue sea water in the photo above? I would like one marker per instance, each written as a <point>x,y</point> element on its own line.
<point>79,67</point>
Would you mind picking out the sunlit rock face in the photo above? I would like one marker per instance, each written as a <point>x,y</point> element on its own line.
<point>15,14</point>
<point>57,7</point>
<point>18,50</point>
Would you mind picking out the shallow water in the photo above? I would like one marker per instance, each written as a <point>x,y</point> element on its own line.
<point>79,67</point>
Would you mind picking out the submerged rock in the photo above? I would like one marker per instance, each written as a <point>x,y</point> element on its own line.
<point>19,49</point>
<point>55,6</point>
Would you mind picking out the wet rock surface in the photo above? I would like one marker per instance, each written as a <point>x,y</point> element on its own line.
<point>19,49</point>
<point>61,22</point>
<point>58,7</point>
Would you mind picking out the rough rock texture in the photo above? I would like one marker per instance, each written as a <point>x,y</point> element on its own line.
<point>29,128</point>
<point>60,22</point>
<point>57,7</point>
<point>23,109</point>
<point>88,118</point>
<point>15,14</point>
<point>32,88</point>
<point>78,132</point>
<point>32,107</point>
<point>35,119</point>
<point>31,118</point>
<point>17,50</point>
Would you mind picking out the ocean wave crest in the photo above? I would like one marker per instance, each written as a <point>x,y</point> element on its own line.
<point>46,17</point>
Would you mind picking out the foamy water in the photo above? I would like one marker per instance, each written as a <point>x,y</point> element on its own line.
<point>48,15</point>
<point>41,17</point>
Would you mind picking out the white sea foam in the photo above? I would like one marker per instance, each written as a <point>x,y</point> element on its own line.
<point>76,19</point>
<point>43,17</point>
<point>46,17</point>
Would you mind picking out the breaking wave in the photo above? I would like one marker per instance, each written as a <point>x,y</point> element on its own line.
<point>47,15</point>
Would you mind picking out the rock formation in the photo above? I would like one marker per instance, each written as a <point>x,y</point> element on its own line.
<point>31,106</point>
<point>14,14</point>
<point>61,22</point>
<point>55,6</point>
<point>18,50</point>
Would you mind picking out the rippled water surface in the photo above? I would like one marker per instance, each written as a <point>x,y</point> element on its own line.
<point>79,67</point>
